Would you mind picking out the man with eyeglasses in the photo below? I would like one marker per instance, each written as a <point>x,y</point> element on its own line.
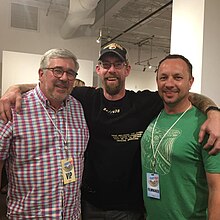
<point>117,118</point>
<point>59,71</point>
<point>44,145</point>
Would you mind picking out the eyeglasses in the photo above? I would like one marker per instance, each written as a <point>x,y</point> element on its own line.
<point>58,72</point>
<point>107,65</point>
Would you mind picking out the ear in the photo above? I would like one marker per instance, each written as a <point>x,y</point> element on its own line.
<point>156,76</point>
<point>191,82</point>
<point>97,68</point>
<point>128,70</point>
<point>40,73</point>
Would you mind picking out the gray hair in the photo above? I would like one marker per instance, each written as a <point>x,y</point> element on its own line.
<point>58,53</point>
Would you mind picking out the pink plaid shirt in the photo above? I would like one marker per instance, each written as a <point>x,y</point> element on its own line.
<point>33,150</point>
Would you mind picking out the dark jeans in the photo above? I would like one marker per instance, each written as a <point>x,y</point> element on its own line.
<point>89,212</point>
<point>4,178</point>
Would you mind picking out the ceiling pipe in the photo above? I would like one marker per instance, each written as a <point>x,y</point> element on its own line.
<point>81,12</point>
<point>138,23</point>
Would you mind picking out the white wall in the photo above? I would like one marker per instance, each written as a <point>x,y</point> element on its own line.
<point>38,42</point>
<point>187,35</point>
<point>211,57</point>
<point>48,36</point>
<point>27,66</point>
<point>139,79</point>
<point>195,34</point>
<point>86,48</point>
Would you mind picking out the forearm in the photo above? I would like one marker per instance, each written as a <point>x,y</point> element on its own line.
<point>25,87</point>
<point>213,205</point>
<point>12,97</point>
<point>214,196</point>
<point>201,102</point>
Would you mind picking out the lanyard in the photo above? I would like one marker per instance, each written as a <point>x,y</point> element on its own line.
<point>156,149</point>
<point>57,129</point>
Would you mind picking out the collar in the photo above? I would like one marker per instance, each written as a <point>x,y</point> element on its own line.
<point>45,100</point>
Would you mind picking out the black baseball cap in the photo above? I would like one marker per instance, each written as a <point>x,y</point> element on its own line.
<point>113,48</point>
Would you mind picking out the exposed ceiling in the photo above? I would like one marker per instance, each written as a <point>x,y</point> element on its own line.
<point>137,23</point>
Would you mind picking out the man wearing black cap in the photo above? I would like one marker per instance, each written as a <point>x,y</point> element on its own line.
<point>116,118</point>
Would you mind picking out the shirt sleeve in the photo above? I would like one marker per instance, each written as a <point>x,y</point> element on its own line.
<point>5,139</point>
<point>211,162</point>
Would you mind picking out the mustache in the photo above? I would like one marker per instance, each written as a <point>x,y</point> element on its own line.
<point>170,90</point>
<point>62,84</point>
<point>111,76</point>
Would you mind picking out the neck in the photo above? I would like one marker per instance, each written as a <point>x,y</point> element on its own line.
<point>178,108</point>
<point>115,97</point>
<point>56,104</point>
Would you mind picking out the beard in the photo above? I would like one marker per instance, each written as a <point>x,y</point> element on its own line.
<point>113,89</point>
<point>58,92</point>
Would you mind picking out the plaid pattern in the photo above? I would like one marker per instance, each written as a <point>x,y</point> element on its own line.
<point>33,150</point>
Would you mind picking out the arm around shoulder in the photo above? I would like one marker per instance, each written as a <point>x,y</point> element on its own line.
<point>212,125</point>
<point>12,97</point>
<point>201,102</point>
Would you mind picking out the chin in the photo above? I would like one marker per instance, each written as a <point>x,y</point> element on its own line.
<point>169,101</point>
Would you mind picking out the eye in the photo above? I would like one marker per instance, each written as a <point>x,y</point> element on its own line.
<point>118,65</point>
<point>178,78</point>
<point>106,65</point>
<point>162,78</point>
<point>71,72</point>
<point>58,71</point>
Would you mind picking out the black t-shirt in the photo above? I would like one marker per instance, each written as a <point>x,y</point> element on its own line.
<point>112,172</point>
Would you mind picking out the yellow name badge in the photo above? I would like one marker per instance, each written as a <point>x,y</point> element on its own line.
<point>68,170</point>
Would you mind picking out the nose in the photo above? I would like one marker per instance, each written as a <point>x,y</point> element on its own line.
<point>169,82</point>
<point>112,68</point>
<point>64,77</point>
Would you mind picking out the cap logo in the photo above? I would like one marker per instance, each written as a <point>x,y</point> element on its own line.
<point>113,46</point>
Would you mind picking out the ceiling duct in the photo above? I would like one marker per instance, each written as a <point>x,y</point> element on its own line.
<point>81,12</point>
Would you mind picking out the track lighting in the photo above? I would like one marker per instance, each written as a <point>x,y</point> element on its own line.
<point>98,40</point>
<point>149,66</point>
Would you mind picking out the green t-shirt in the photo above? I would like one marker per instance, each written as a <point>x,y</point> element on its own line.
<point>181,164</point>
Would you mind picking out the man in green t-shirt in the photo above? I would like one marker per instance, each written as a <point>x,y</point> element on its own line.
<point>180,179</point>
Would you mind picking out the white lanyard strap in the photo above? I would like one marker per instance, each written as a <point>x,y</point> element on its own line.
<point>152,134</point>
<point>57,129</point>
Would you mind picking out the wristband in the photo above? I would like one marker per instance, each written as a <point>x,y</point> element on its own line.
<point>212,108</point>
